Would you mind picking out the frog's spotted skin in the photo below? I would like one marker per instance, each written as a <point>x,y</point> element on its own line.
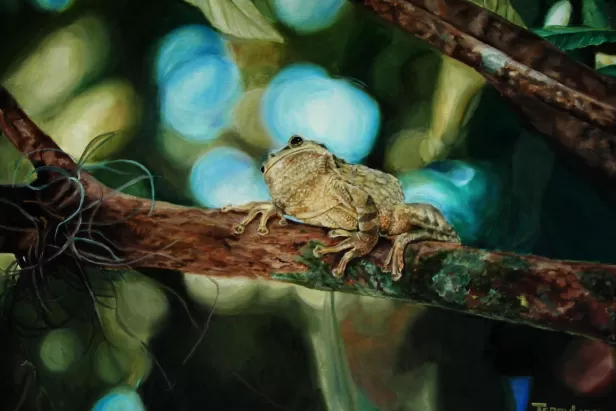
<point>311,184</point>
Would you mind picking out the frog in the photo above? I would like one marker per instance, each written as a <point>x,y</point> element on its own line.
<point>309,183</point>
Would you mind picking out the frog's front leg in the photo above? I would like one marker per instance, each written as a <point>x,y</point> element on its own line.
<point>267,209</point>
<point>361,242</point>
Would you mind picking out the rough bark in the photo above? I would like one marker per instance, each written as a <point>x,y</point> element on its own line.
<point>564,99</point>
<point>573,297</point>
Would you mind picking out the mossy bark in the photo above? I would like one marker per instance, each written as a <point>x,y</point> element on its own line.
<point>574,297</point>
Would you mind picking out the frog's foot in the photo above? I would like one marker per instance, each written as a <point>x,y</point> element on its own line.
<point>357,244</point>
<point>265,208</point>
<point>394,263</point>
<point>338,232</point>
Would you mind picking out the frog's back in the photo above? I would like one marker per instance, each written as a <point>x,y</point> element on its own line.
<point>385,189</point>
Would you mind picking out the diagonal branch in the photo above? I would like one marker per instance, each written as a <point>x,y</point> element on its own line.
<point>28,138</point>
<point>566,100</point>
<point>573,297</point>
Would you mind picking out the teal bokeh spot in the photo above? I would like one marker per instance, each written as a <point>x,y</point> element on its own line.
<point>52,5</point>
<point>197,97</point>
<point>224,176</point>
<point>308,16</point>
<point>184,44</point>
<point>467,194</point>
<point>302,99</point>
<point>122,399</point>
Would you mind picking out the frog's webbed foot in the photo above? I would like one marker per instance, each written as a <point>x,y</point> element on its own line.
<point>394,263</point>
<point>357,244</point>
<point>267,209</point>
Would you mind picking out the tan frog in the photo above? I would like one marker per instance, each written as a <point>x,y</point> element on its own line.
<point>311,184</point>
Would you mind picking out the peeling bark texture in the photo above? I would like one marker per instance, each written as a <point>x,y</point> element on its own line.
<point>572,103</point>
<point>573,297</point>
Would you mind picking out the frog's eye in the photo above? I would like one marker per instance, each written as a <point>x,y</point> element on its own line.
<point>262,169</point>
<point>296,141</point>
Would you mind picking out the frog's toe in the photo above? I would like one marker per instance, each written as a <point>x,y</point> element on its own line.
<point>283,221</point>
<point>338,272</point>
<point>238,229</point>
<point>262,231</point>
<point>396,274</point>
<point>317,251</point>
<point>338,232</point>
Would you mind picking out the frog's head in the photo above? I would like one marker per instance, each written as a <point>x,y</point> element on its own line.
<point>299,155</point>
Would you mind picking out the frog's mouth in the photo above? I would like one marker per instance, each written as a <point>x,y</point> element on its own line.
<point>267,166</point>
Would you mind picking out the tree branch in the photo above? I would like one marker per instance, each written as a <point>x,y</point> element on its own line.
<point>573,297</point>
<point>28,138</point>
<point>564,99</point>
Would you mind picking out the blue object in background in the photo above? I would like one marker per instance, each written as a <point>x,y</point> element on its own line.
<point>52,5</point>
<point>308,16</point>
<point>302,99</point>
<point>521,391</point>
<point>183,44</point>
<point>466,194</point>
<point>120,399</point>
<point>197,97</point>
<point>227,176</point>
<point>198,82</point>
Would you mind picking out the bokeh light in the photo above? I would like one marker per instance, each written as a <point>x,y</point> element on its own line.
<point>183,44</point>
<point>308,16</point>
<point>52,5</point>
<point>302,99</point>
<point>199,83</point>
<point>465,193</point>
<point>224,176</point>
<point>109,106</point>
<point>64,60</point>
<point>59,349</point>
<point>120,399</point>
<point>248,122</point>
<point>198,95</point>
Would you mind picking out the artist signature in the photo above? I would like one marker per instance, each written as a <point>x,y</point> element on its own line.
<point>542,406</point>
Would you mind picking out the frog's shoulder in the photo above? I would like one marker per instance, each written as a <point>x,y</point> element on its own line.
<point>384,187</point>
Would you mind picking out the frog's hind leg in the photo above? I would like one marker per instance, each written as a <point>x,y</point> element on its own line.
<point>411,223</point>
<point>358,247</point>
<point>395,259</point>
<point>359,242</point>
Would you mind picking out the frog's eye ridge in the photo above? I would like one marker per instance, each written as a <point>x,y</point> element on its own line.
<point>296,141</point>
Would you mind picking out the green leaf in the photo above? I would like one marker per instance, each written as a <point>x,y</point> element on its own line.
<point>239,18</point>
<point>608,70</point>
<point>531,11</point>
<point>599,14</point>
<point>503,8</point>
<point>576,37</point>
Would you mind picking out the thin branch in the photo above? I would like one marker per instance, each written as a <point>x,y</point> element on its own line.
<point>562,98</point>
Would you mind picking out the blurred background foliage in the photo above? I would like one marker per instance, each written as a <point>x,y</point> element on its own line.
<point>199,92</point>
